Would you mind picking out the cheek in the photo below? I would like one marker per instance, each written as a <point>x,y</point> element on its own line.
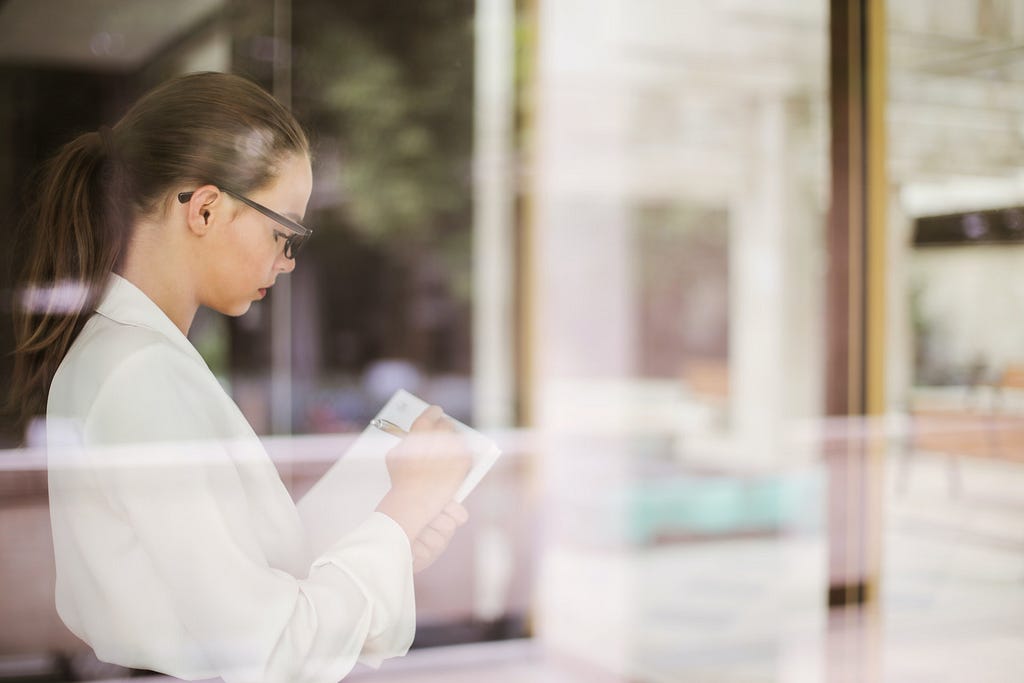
<point>239,274</point>
<point>251,255</point>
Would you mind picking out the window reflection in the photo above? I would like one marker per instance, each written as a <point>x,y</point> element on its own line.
<point>596,230</point>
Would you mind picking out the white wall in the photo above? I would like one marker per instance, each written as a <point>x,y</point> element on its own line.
<point>972,297</point>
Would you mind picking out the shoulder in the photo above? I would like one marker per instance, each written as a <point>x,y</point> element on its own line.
<point>108,343</point>
<point>102,350</point>
<point>117,374</point>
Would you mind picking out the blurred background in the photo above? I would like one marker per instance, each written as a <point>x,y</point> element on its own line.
<point>735,286</point>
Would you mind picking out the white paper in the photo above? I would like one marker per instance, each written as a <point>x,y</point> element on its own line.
<point>351,489</point>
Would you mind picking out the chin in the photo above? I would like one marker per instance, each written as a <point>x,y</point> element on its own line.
<point>235,310</point>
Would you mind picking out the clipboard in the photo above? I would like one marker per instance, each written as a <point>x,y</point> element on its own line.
<point>353,486</point>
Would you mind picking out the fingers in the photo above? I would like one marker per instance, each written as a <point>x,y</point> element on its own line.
<point>421,556</point>
<point>435,537</point>
<point>427,547</point>
<point>449,519</point>
<point>457,512</point>
<point>443,524</point>
<point>439,532</point>
<point>430,420</point>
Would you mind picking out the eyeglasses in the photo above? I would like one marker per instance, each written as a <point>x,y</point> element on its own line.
<point>292,242</point>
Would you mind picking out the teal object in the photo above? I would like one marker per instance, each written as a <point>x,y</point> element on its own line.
<point>719,506</point>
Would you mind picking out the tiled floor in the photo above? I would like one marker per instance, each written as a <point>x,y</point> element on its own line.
<point>955,573</point>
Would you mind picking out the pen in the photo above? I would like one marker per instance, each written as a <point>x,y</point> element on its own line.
<point>388,427</point>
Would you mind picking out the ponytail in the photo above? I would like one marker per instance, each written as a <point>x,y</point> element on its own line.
<point>72,240</point>
<point>198,128</point>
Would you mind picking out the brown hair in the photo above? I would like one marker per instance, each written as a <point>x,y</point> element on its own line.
<point>199,128</point>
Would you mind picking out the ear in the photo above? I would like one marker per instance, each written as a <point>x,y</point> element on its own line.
<point>204,208</point>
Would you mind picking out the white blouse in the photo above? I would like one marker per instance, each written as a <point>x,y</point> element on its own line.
<point>178,548</point>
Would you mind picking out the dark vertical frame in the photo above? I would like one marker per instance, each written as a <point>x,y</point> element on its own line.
<point>856,298</point>
<point>855,337</point>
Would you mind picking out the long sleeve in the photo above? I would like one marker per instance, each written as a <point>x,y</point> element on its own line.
<point>160,532</point>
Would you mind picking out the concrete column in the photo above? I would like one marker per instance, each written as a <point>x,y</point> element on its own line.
<point>775,282</point>
<point>493,218</point>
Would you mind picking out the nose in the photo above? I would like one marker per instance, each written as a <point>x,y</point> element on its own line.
<point>285,264</point>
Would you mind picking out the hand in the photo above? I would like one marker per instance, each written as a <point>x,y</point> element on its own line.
<point>426,470</point>
<point>436,536</point>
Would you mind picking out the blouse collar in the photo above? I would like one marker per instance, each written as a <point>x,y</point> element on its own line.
<point>125,303</point>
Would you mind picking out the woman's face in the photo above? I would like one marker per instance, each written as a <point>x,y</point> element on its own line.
<point>248,254</point>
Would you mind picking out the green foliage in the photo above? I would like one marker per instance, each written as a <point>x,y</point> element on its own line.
<point>393,88</point>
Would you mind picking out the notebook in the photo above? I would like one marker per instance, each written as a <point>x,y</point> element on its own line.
<point>351,489</point>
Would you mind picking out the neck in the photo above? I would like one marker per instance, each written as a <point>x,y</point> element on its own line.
<point>156,269</point>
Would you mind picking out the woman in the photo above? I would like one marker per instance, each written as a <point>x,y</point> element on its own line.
<point>177,546</point>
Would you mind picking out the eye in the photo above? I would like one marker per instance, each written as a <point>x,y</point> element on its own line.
<point>278,234</point>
